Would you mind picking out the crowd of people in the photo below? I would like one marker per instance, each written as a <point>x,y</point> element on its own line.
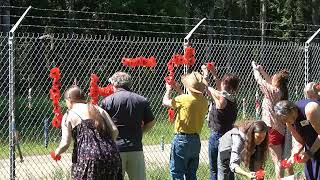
<point>108,138</point>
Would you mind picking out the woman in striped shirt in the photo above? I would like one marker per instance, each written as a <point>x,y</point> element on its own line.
<point>274,89</point>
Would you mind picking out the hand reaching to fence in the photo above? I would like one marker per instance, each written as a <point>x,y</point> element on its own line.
<point>256,66</point>
<point>205,72</point>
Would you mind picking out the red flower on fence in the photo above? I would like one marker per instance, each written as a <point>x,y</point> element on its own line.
<point>94,88</point>
<point>95,91</point>
<point>189,56</point>
<point>210,66</point>
<point>139,61</point>
<point>106,91</point>
<point>55,73</point>
<point>55,96</point>
<point>175,61</point>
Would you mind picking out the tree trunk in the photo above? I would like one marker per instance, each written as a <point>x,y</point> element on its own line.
<point>210,16</point>
<point>315,12</point>
<point>6,18</point>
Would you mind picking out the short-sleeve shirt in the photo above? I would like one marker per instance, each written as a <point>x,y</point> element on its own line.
<point>304,127</point>
<point>128,111</point>
<point>190,113</point>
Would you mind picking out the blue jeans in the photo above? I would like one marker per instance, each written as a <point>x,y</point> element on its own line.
<point>213,154</point>
<point>184,157</point>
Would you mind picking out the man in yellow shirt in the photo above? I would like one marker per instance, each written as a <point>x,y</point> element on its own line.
<point>190,109</point>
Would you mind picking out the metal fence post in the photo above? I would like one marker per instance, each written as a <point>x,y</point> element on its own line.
<point>306,56</point>
<point>12,125</point>
<point>186,43</point>
<point>306,63</point>
<point>11,108</point>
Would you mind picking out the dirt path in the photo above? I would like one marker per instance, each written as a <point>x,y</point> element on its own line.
<point>42,167</point>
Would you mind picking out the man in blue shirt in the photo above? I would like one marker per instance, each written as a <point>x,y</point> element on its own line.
<point>133,116</point>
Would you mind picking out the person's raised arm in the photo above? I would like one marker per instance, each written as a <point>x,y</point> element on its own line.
<point>205,73</point>
<point>264,82</point>
<point>167,101</point>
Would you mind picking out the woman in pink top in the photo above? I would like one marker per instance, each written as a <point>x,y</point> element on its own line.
<point>274,89</point>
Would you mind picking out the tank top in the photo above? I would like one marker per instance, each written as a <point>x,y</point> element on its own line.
<point>222,120</point>
<point>304,127</point>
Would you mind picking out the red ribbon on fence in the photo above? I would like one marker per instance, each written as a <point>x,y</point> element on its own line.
<point>55,96</point>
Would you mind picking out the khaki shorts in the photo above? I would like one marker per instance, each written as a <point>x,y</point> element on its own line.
<point>133,164</point>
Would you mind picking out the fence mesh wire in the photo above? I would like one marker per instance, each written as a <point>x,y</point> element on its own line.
<point>80,55</point>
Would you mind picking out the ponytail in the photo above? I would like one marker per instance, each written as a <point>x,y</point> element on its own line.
<point>282,79</point>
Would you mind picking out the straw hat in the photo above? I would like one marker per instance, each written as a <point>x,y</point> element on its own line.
<point>194,82</point>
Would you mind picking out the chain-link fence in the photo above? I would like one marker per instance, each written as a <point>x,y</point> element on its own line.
<point>80,55</point>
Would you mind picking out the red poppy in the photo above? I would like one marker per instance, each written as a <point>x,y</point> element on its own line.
<point>170,66</point>
<point>297,158</point>
<point>189,53</point>
<point>94,100</point>
<point>171,115</point>
<point>55,94</point>
<point>56,109</point>
<point>210,66</point>
<point>285,164</point>
<point>94,78</point>
<point>142,61</point>
<point>54,157</point>
<point>93,91</point>
<point>56,83</point>
<point>177,59</point>
<point>170,80</point>
<point>260,174</point>
<point>191,61</point>
<point>106,91</point>
<point>55,73</point>
<point>152,62</point>
<point>55,122</point>
<point>125,61</point>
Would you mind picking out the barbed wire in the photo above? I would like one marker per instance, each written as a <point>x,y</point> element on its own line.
<point>152,16</point>
<point>151,23</point>
<point>225,27</point>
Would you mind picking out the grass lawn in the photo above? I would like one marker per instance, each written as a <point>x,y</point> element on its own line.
<point>162,173</point>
